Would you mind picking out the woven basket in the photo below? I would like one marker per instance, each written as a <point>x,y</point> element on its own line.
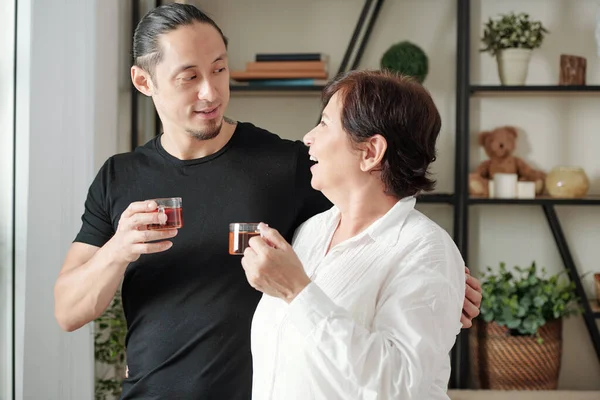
<point>504,362</point>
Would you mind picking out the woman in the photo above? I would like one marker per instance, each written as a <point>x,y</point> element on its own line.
<point>367,302</point>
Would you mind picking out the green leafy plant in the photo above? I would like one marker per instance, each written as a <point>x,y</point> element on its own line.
<point>523,300</point>
<point>512,31</point>
<point>109,348</point>
<point>408,59</point>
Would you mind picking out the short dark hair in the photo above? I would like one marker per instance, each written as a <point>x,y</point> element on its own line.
<point>147,52</point>
<point>403,112</point>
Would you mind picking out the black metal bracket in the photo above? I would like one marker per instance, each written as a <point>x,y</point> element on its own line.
<point>565,254</point>
<point>135,18</point>
<point>354,37</point>
<point>367,35</point>
<point>372,18</point>
<point>460,351</point>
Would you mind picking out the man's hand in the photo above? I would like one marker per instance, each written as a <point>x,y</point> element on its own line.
<point>472,300</point>
<point>272,266</point>
<point>131,238</point>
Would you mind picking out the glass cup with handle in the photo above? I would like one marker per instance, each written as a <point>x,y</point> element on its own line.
<point>172,208</point>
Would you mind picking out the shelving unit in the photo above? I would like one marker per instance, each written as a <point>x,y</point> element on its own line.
<point>462,201</point>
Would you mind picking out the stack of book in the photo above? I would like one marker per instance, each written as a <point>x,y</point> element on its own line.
<point>286,69</point>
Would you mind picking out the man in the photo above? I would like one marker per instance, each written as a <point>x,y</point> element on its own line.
<point>187,302</point>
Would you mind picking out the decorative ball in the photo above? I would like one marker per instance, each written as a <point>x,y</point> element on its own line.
<point>567,182</point>
<point>406,58</point>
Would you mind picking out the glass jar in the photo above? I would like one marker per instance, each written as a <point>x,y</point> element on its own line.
<point>567,182</point>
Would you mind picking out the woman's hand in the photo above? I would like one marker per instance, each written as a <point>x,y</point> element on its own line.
<point>472,300</point>
<point>272,266</point>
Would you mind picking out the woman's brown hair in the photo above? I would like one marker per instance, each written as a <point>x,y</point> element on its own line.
<point>402,111</point>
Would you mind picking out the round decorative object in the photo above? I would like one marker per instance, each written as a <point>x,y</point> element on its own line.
<point>408,59</point>
<point>567,182</point>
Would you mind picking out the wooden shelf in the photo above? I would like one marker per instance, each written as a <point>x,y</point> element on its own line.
<point>276,90</point>
<point>533,89</point>
<point>586,201</point>
<point>522,395</point>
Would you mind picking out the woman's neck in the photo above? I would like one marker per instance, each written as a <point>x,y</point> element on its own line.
<point>359,209</point>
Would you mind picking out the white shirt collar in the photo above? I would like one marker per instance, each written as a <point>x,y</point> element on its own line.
<point>385,229</point>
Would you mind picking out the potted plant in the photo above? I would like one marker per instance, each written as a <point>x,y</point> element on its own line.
<point>109,350</point>
<point>407,59</point>
<point>517,340</point>
<point>511,38</point>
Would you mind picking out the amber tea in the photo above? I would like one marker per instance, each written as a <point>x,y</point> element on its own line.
<point>171,207</point>
<point>239,236</point>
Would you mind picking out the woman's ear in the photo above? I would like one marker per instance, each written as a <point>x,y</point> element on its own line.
<point>373,150</point>
<point>142,81</point>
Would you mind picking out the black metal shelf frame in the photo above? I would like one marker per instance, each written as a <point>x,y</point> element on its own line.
<point>462,200</point>
<point>134,98</point>
<point>432,198</point>
<point>542,89</point>
<point>586,201</point>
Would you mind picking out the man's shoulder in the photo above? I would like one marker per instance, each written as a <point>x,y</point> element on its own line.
<point>128,158</point>
<point>253,136</point>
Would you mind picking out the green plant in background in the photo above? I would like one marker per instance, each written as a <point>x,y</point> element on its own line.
<point>523,301</point>
<point>512,31</point>
<point>408,59</point>
<point>109,348</point>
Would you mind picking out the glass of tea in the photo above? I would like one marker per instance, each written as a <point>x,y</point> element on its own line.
<point>239,235</point>
<point>171,207</point>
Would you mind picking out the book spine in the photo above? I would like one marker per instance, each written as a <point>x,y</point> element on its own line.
<point>286,66</point>
<point>247,75</point>
<point>288,57</point>
<point>287,82</point>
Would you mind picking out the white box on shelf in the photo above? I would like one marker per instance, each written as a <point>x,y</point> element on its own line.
<point>526,190</point>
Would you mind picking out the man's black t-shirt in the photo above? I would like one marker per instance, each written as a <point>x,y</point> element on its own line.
<point>189,309</point>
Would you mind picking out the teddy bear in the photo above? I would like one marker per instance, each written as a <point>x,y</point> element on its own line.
<point>499,145</point>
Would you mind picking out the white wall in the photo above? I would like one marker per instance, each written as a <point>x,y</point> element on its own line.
<point>123,76</point>
<point>107,75</point>
<point>7,68</point>
<point>555,129</point>
<point>66,110</point>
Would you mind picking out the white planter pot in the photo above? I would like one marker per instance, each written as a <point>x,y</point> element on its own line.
<point>513,65</point>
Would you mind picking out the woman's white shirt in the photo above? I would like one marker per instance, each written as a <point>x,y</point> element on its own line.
<point>377,321</point>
